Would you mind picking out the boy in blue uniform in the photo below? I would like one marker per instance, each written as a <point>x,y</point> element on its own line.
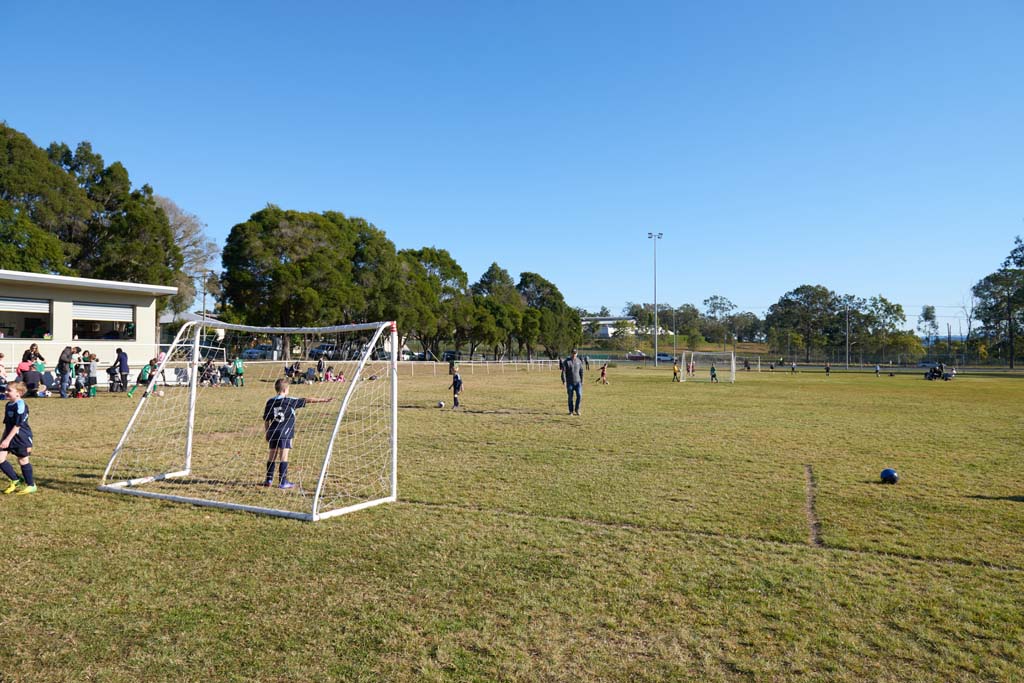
<point>279,426</point>
<point>17,439</point>
<point>456,387</point>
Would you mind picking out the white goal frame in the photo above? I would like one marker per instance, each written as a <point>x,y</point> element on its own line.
<point>191,333</point>
<point>703,360</point>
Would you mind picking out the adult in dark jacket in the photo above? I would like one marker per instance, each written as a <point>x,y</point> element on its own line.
<point>572,378</point>
<point>121,367</point>
<point>67,358</point>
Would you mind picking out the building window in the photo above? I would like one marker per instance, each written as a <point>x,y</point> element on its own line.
<point>102,321</point>
<point>25,318</point>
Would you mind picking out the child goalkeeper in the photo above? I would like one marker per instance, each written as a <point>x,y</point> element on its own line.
<point>279,425</point>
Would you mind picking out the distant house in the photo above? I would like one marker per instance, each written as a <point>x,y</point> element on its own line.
<point>605,327</point>
<point>100,316</point>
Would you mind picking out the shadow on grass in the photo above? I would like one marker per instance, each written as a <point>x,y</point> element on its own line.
<point>1015,499</point>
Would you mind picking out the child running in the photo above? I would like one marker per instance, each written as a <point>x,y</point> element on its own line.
<point>279,426</point>
<point>603,379</point>
<point>17,440</point>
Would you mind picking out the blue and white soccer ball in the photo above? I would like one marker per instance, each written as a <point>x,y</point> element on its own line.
<point>440,404</point>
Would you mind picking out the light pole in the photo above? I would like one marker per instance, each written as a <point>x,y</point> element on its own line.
<point>655,236</point>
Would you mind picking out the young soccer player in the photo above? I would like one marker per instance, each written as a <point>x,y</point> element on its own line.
<point>239,368</point>
<point>603,379</point>
<point>456,387</point>
<point>144,376</point>
<point>714,374</point>
<point>675,371</point>
<point>17,440</point>
<point>279,427</point>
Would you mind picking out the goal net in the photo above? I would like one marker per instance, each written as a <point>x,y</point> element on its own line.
<point>199,435</point>
<point>697,366</point>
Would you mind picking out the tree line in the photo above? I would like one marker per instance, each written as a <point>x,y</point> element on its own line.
<point>290,268</point>
<point>809,321</point>
<point>67,211</point>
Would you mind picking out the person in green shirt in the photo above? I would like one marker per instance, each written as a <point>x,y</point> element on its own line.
<point>144,376</point>
<point>239,372</point>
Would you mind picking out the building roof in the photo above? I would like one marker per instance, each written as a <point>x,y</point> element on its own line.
<point>172,317</point>
<point>22,278</point>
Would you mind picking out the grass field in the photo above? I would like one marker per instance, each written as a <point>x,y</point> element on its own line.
<point>664,535</point>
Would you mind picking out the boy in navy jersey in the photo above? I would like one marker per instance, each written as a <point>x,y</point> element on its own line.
<point>17,439</point>
<point>279,425</point>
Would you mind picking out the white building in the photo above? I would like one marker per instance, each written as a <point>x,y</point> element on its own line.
<point>100,316</point>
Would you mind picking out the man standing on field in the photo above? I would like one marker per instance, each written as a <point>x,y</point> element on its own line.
<point>572,379</point>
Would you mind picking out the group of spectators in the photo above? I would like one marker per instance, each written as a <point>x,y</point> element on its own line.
<point>75,373</point>
<point>228,374</point>
<point>320,373</point>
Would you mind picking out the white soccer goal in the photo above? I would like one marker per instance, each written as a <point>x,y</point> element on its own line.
<point>697,366</point>
<point>197,435</point>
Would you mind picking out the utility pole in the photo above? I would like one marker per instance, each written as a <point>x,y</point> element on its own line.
<point>848,337</point>
<point>655,236</point>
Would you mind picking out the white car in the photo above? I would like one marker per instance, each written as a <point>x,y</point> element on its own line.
<point>259,352</point>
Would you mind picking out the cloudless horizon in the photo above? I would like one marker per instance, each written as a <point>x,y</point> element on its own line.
<point>871,147</point>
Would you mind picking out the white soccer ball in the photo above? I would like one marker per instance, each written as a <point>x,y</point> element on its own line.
<point>440,404</point>
<point>160,392</point>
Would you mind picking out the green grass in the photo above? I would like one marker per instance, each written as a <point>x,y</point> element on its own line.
<point>661,536</point>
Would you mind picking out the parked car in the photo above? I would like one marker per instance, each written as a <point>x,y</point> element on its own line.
<point>259,352</point>
<point>927,364</point>
<point>449,356</point>
<point>665,357</point>
<point>636,355</point>
<point>326,351</point>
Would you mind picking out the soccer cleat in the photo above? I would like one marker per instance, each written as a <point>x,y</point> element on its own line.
<point>13,486</point>
<point>286,485</point>
<point>268,482</point>
<point>25,489</point>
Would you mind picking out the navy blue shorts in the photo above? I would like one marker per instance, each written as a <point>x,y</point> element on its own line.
<point>20,449</point>
<point>279,443</point>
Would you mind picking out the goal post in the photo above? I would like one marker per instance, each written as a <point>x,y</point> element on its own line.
<point>697,366</point>
<point>198,434</point>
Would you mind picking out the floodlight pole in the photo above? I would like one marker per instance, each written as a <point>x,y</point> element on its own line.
<point>847,336</point>
<point>655,236</point>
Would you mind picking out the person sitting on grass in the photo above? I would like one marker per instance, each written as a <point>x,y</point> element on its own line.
<point>17,440</point>
<point>279,429</point>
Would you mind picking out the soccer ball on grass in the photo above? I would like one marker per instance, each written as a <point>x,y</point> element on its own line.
<point>440,404</point>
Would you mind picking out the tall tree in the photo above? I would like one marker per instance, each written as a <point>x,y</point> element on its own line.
<point>435,282</point>
<point>927,324</point>
<point>1000,298</point>
<point>127,235</point>
<point>198,252</point>
<point>289,269</point>
<point>807,310</point>
<point>40,192</point>
<point>27,247</point>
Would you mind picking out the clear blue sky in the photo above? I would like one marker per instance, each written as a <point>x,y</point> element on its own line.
<point>873,147</point>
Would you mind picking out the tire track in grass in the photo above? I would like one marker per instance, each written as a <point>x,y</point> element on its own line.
<point>814,526</point>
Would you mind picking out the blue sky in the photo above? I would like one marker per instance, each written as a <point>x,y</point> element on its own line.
<point>873,147</point>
